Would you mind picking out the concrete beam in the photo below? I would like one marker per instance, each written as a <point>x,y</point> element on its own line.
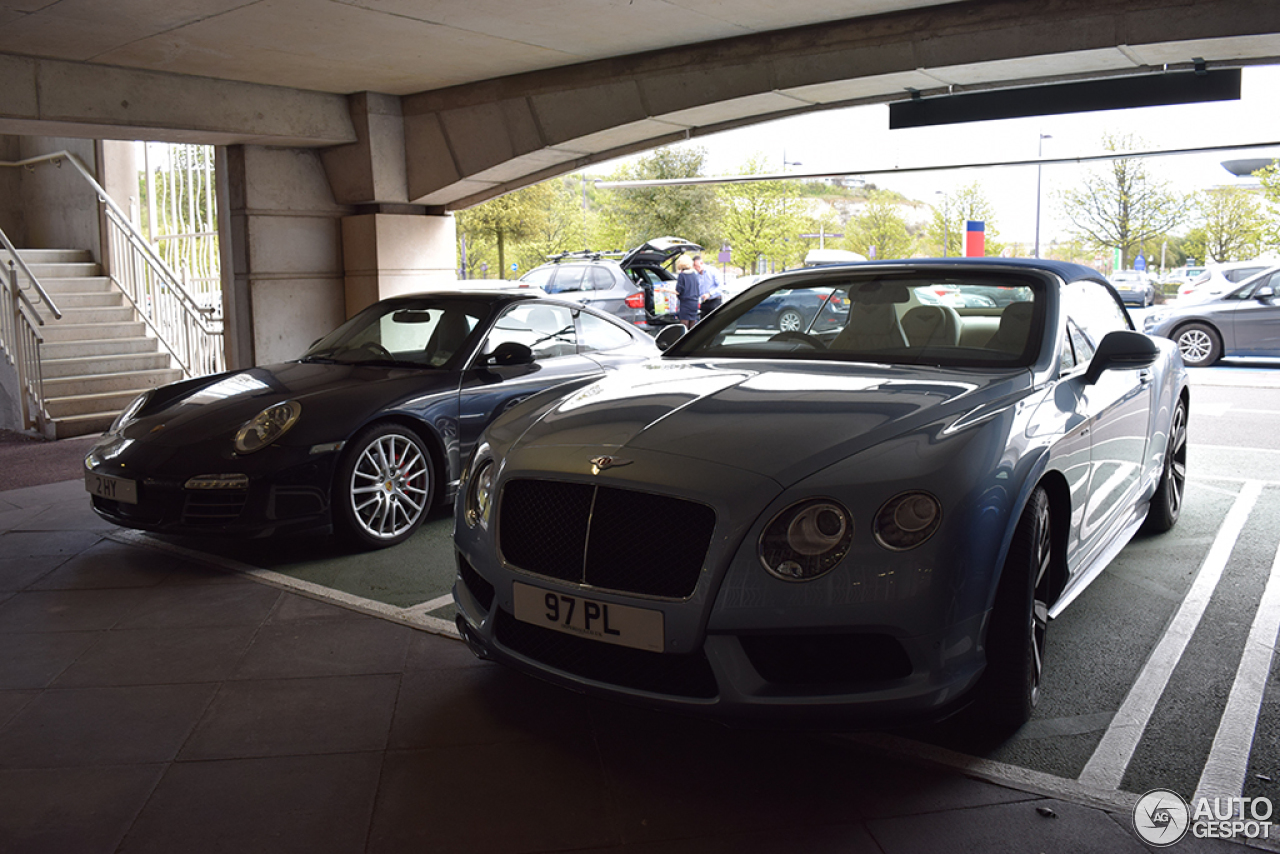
<point>78,99</point>
<point>468,143</point>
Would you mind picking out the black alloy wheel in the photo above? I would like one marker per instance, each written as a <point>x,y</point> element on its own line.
<point>1166,504</point>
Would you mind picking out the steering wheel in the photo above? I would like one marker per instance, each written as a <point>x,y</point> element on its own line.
<point>801,337</point>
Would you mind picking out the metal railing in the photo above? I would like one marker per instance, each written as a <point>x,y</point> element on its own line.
<point>20,337</point>
<point>190,332</point>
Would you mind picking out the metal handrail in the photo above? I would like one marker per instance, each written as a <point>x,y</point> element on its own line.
<point>31,277</point>
<point>20,342</point>
<point>186,330</point>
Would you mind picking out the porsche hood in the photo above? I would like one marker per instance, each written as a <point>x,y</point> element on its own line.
<point>777,420</point>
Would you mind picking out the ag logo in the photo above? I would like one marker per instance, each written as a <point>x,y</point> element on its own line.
<point>1161,817</point>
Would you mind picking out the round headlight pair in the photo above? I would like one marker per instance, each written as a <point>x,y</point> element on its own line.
<point>267,426</point>
<point>479,495</point>
<point>807,540</point>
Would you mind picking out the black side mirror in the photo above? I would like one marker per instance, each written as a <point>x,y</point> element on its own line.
<point>511,353</point>
<point>1122,350</point>
<point>669,335</point>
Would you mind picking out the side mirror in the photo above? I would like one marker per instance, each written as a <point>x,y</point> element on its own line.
<point>511,353</point>
<point>1266,293</point>
<point>1122,350</point>
<point>669,335</point>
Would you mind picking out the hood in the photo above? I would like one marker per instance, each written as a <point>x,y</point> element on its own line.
<point>780,420</point>
<point>208,407</point>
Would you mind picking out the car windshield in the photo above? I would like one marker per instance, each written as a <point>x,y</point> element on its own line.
<point>419,333</point>
<point>978,319</point>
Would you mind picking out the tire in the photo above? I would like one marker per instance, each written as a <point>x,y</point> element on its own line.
<point>1010,686</point>
<point>384,486</point>
<point>790,320</point>
<point>1199,345</point>
<point>1166,504</point>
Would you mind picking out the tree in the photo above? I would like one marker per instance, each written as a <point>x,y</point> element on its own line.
<point>878,230</point>
<point>1121,205</point>
<point>1269,177</point>
<point>515,216</point>
<point>1230,224</point>
<point>634,215</point>
<point>946,229</point>
<point>761,219</point>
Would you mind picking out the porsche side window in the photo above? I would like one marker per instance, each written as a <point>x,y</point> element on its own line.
<point>600,334</point>
<point>547,330</point>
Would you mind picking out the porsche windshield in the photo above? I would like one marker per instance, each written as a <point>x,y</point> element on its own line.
<point>421,333</point>
<point>926,318</point>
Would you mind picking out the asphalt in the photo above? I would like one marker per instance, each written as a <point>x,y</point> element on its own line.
<point>156,700</point>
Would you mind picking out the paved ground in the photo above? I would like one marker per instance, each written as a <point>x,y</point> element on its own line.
<point>156,697</point>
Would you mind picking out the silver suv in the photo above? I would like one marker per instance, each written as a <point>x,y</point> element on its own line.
<point>637,286</point>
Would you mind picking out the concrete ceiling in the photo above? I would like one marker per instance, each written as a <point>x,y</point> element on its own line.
<point>395,47</point>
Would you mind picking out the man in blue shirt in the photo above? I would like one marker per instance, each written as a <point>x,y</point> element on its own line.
<point>709,287</point>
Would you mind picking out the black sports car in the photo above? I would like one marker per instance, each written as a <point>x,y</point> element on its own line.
<point>366,432</point>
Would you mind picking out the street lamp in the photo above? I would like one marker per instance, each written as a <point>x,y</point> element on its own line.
<point>1039,154</point>
<point>946,221</point>
<point>786,162</point>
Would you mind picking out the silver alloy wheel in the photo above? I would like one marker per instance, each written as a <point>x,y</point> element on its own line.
<point>790,321</point>
<point>1195,345</point>
<point>1040,599</point>
<point>389,486</point>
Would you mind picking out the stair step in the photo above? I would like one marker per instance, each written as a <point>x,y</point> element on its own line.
<point>81,316</point>
<point>64,270</point>
<point>55,285</point>
<point>89,385</point>
<point>87,299</point>
<point>105,348</point>
<point>91,331</point>
<point>51,256</point>
<point>88,424</point>
<point>80,366</point>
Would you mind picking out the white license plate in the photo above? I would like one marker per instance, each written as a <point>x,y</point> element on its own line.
<point>115,488</point>
<point>639,628</point>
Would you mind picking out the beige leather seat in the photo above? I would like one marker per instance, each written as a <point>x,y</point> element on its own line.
<point>1015,327</point>
<point>447,337</point>
<point>871,327</point>
<point>932,326</point>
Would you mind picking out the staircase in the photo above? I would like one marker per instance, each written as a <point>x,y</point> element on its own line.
<point>98,356</point>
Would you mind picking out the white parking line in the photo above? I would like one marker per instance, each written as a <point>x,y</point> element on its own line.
<point>1224,772</point>
<point>1110,759</point>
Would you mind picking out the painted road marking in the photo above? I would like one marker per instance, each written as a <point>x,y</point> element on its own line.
<point>1224,772</point>
<point>1111,757</point>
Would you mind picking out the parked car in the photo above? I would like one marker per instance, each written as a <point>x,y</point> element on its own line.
<point>1135,287</point>
<point>1242,322</point>
<point>865,523</point>
<point>637,286</point>
<point>366,432</point>
<point>789,311</point>
<point>1217,279</point>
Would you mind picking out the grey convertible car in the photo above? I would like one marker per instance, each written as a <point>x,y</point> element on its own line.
<point>858,524</point>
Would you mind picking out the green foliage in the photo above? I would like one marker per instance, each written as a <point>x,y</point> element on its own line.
<point>1121,205</point>
<point>1269,177</point>
<point>878,230</point>
<point>633,215</point>
<point>1230,224</point>
<point>519,216</point>
<point>946,229</point>
<point>761,220</point>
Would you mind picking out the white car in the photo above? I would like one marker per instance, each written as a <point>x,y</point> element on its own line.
<point>1217,279</point>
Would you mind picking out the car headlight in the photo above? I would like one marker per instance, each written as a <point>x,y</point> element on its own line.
<point>479,495</point>
<point>267,426</point>
<point>907,520</point>
<point>1153,319</point>
<point>129,413</point>
<point>806,540</point>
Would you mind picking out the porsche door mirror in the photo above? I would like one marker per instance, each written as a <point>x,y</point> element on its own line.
<point>510,353</point>
<point>1122,350</point>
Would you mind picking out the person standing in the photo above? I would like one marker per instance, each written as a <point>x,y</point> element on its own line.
<point>709,287</point>
<point>688,291</point>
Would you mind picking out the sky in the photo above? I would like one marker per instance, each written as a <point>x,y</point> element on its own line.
<point>856,138</point>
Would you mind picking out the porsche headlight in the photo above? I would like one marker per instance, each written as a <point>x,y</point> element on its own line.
<point>479,495</point>
<point>129,413</point>
<point>806,540</point>
<point>907,520</point>
<point>267,426</point>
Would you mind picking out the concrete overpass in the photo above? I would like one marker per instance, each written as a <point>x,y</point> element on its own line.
<point>350,128</point>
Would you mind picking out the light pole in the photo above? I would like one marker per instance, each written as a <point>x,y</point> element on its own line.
<point>1039,154</point>
<point>786,162</point>
<point>946,221</point>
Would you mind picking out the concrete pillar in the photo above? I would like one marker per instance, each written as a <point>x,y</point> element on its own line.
<point>285,285</point>
<point>387,254</point>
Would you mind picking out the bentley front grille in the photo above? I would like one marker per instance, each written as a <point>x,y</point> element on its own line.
<point>610,538</point>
